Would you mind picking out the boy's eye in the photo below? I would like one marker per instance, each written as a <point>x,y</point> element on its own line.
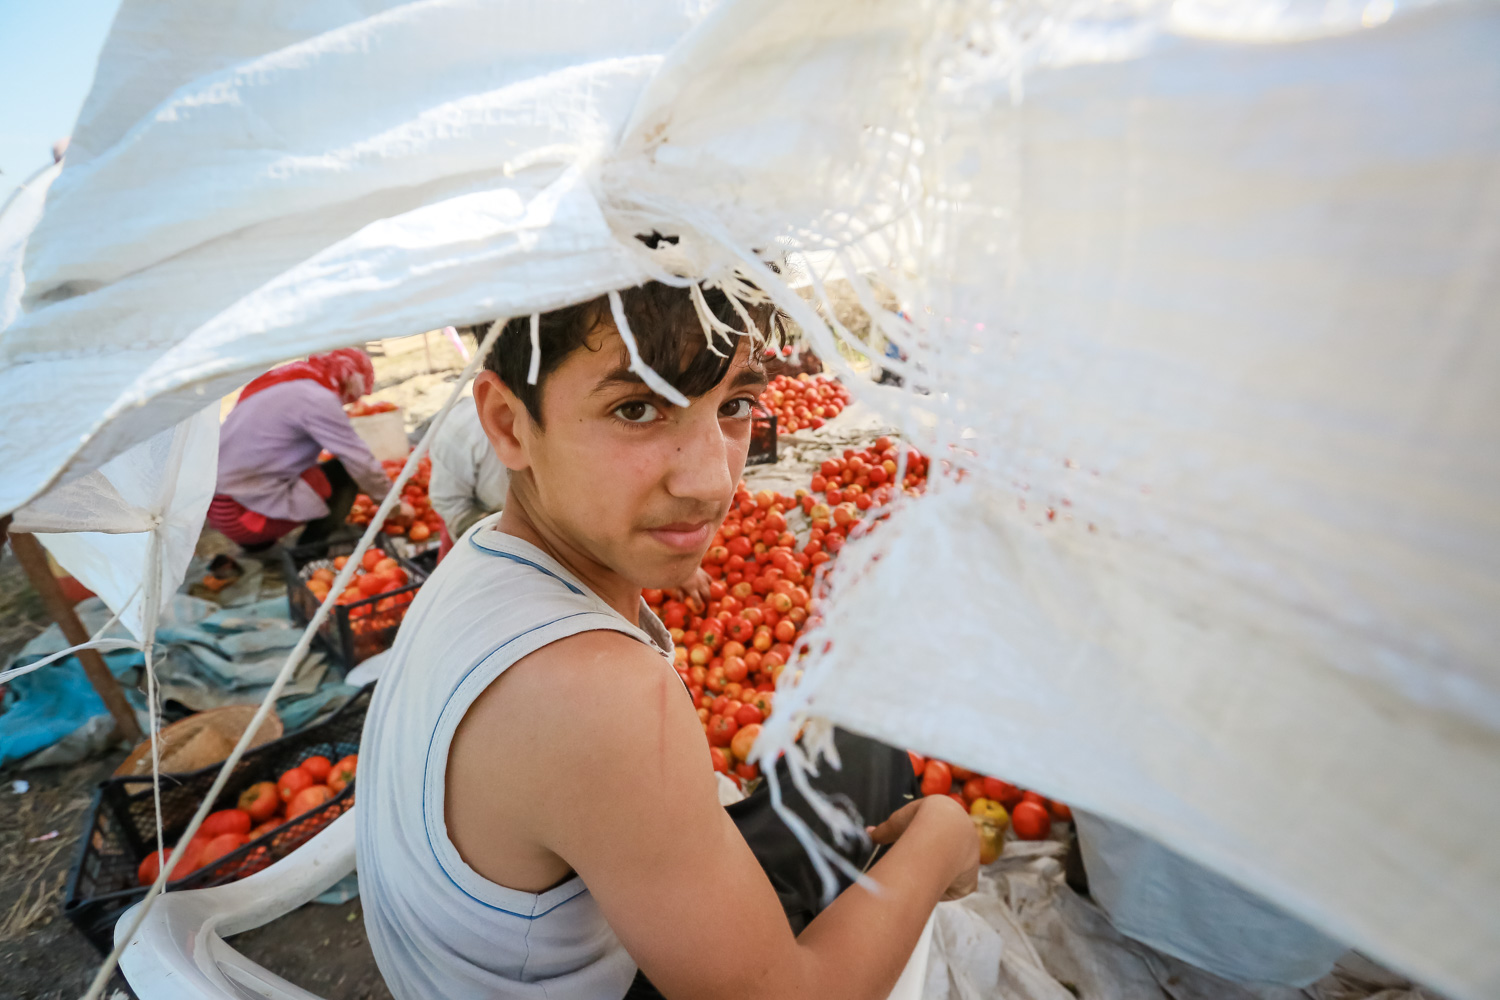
<point>637,411</point>
<point>736,409</point>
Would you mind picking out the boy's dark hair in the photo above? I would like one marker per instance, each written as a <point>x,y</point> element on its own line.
<point>667,332</point>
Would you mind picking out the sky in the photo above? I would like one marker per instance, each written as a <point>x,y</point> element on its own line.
<point>47,53</point>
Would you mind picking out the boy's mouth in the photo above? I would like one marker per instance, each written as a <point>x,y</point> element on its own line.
<point>684,536</point>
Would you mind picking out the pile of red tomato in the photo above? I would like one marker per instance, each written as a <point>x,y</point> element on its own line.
<point>263,808</point>
<point>730,651</point>
<point>866,478</point>
<point>991,803</point>
<point>414,516</point>
<point>806,401</point>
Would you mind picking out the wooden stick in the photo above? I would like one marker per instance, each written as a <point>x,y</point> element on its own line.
<point>33,559</point>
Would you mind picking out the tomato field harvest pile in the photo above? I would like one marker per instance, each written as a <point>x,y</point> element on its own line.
<point>263,809</point>
<point>804,402</point>
<point>763,595</point>
<point>413,516</point>
<point>731,651</point>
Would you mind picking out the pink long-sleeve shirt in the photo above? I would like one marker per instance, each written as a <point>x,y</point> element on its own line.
<point>270,439</point>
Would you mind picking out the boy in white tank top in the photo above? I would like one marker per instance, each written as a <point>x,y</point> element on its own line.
<point>538,816</point>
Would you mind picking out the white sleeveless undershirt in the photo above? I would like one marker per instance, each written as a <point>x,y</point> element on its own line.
<point>439,929</point>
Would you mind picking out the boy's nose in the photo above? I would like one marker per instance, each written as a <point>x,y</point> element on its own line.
<point>700,467</point>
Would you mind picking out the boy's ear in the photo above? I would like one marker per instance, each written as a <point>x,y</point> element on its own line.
<point>505,419</point>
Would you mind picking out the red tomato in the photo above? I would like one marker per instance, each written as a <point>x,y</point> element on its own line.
<point>1034,797</point>
<point>292,782</point>
<point>371,558</point>
<point>1060,811</point>
<point>973,789</point>
<point>225,821</point>
<point>937,778</point>
<point>152,865</point>
<point>748,715</point>
<point>342,773</point>
<point>721,730</point>
<point>309,798</point>
<point>221,845</point>
<point>264,828</point>
<point>318,766</point>
<point>150,868</point>
<point>785,631</point>
<point>720,762</point>
<point>918,762</point>
<point>744,739</point>
<point>1030,821</point>
<point>1002,792</point>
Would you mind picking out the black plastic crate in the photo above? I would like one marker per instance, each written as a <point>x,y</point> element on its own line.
<point>351,632</point>
<point>422,563</point>
<point>762,436</point>
<point>121,828</point>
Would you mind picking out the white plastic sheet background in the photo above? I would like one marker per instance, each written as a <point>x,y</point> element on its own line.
<point>166,484</point>
<point>1216,331</point>
<point>1210,283</point>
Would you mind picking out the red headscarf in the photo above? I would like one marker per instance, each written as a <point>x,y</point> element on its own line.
<point>347,372</point>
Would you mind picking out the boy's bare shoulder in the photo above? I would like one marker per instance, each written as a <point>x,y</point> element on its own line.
<point>601,681</point>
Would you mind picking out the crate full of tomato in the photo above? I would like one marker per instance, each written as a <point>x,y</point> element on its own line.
<point>278,797</point>
<point>413,516</point>
<point>368,611</point>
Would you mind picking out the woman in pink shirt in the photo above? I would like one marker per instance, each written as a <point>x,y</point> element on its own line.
<point>270,480</point>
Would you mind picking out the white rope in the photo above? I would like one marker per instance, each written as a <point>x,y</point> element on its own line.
<point>536,349</point>
<point>109,644</point>
<point>712,324</point>
<point>107,968</point>
<point>150,613</point>
<point>94,642</point>
<point>658,385</point>
<point>751,330</point>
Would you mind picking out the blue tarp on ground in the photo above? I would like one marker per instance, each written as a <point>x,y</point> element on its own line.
<point>206,656</point>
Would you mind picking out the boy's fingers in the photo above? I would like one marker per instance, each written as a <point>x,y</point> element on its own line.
<point>894,826</point>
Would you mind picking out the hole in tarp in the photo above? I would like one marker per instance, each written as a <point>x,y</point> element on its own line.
<point>654,239</point>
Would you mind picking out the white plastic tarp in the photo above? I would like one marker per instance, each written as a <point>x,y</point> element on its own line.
<point>1205,312</point>
<point>103,526</point>
<point>18,217</point>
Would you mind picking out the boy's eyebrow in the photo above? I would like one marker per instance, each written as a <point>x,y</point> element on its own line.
<point>622,375</point>
<point>748,377</point>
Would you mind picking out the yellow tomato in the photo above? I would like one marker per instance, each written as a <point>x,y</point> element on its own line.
<point>989,811</point>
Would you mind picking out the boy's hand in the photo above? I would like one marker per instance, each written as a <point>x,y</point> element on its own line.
<point>958,830</point>
<point>698,585</point>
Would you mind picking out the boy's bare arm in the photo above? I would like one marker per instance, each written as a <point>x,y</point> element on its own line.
<point>625,796</point>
